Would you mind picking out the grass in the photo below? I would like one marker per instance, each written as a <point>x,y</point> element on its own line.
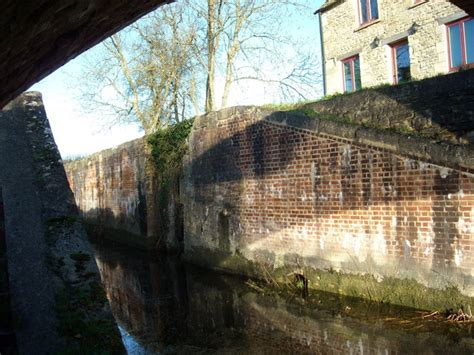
<point>286,106</point>
<point>403,130</point>
<point>300,104</point>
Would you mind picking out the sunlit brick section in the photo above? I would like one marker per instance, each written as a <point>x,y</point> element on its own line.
<point>287,195</point>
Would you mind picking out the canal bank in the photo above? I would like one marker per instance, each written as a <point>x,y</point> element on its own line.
<point>164,306</point>
<point>369,203</point>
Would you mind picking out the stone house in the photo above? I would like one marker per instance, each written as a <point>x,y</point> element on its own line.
<point>374,42</point>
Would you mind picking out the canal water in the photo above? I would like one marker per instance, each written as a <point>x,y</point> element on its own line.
<point>165,307</point>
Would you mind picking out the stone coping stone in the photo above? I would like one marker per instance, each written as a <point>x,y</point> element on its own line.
<point>439,153</point>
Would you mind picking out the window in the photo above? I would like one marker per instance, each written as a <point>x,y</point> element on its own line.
<point>461,43</point>
<point>368,11</point>
<point>401,61</point>
<point>351,71</point>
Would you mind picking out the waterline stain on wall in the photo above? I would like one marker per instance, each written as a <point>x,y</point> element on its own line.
<point>304,189</point>
<point>330,203</point>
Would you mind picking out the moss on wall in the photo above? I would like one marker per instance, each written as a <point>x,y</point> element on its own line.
<point>389,290</point>
<point>91,334</point>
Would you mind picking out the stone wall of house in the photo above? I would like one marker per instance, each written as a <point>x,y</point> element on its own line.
<point>279,189</point>
<point>345,37</point>
<point>119,195</point>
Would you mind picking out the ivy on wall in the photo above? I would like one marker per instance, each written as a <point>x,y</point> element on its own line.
<point>168,145</point>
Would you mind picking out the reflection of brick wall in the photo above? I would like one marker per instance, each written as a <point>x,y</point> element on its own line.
<point>286,192</point>
<point>274,325</point>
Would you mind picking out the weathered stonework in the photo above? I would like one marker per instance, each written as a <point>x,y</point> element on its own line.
<point>110,187</point>
<point>259,188</point>
<point>422,25</point>
<point>50,262</point>
<point>118,192</point>
<point>438,108</point>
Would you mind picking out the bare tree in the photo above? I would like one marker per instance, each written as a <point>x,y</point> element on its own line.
<point>242,37</point>
<point>146,74</point>
<point>171,64</point>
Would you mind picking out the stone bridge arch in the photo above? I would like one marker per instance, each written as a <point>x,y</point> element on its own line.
<point>39,36</point>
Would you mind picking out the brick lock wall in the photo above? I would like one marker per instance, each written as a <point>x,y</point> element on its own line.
<point>276,194</point>
<point>117,190</point>
<point>343,36</point>
<point>110,187</point>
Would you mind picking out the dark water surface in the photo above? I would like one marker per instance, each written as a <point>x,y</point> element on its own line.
<point>165,307</point>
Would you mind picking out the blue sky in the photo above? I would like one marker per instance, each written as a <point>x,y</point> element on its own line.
<point>78,134</point>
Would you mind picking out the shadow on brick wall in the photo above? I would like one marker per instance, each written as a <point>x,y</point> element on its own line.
<point>290,177</point>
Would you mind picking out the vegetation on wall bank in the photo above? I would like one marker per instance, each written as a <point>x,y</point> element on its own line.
<point>365,288</point>
<point>168,145</point>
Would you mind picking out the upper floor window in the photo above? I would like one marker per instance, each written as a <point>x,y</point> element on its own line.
<point>401,61</point>
<point>368,10</point>
<point>461,43</point>
<point>351,72</point>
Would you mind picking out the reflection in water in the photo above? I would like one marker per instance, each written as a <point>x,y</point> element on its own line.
<point>163,307</point>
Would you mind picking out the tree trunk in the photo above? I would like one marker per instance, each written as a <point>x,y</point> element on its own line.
<point>211,55</point>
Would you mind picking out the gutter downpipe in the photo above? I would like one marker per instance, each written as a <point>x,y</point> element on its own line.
<point>323,61</point>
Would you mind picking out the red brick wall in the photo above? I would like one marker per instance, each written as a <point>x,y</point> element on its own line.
<point>110,187</point>
<point>287,193</point>
<point>115,192</point>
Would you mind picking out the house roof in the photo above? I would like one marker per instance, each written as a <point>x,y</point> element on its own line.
<point>466,5</point>
<point>328,5</point>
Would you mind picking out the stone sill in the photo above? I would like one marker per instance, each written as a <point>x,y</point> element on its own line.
<point>461,68</point>
<point>417,4</point>
<point>367,24</point>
